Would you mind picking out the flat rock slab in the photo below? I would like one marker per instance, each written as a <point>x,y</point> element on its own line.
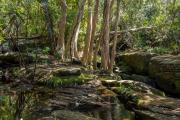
<point>90,101</point>
<point>110,83</point>
<point>68,71</point>
<point>147,102</point>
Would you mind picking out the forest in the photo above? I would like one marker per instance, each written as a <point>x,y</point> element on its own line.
<point>89,59</point>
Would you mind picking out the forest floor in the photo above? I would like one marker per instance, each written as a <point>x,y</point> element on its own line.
<point>68,91</point>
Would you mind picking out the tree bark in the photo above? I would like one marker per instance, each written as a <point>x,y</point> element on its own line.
<point>113,54</point>
<point>94,22</point>
<point>71,45</point>
<point>88,34</point>
<point>98,43</point>
<point>105,59</point>
<point>44,5</point>
<point>60,48</point>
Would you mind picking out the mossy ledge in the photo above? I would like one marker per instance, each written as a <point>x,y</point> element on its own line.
<point>62,81</point>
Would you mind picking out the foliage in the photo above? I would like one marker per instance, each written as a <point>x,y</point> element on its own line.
<point>159,13</point>
<point>159,50</point>
<point>6,108</point>
<point>29,17</point>
<point>57,81</point>
<point>46,50</point>
<point>128,92</point>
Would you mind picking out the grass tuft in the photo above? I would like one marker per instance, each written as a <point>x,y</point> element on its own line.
<point>57,81</point>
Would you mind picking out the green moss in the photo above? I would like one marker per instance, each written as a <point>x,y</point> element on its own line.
<point>105,77</point>
<point>7,108</point>
<point>56,81</point>
<point>127,93</point>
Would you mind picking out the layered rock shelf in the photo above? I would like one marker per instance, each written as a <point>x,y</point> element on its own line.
<point>163,70</point>
<point>147,102</point>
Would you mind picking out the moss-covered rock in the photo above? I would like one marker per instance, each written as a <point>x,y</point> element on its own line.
<point>166,71</point>
<point>138,61</point>
<point>147,102</point>
<point>58,76</point>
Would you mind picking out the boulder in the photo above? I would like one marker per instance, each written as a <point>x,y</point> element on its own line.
<point>147,102</point>
<point>138,61</point>
<point>166,71</point>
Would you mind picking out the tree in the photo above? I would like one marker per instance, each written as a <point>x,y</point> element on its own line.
<point>113,54</point>
<point>49,23</point>
<point>94,22</point>
<point>88,34</point>
<point>71,46</point>
<point>105,59</point>
<point>62,24</point>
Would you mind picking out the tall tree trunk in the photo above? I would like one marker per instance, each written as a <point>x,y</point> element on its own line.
<point>44,5</point>
<point>94,21</point>
<point>71,46</point>
<point>113,54</point>
<point>88,34</point>
<point>97,47</point>
<point>60,48</point>
<point>105,59</point>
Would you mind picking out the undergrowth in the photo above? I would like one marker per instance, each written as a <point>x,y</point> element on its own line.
<point>128,92</point>
<point>57,81</point>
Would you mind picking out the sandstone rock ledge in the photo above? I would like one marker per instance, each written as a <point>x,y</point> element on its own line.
<point>163,69</point>
<point>166,71</point>
<point>148,103</point>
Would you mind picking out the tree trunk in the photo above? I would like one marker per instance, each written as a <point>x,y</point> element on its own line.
<point>71,46</point>
<point>105,59</point>
<point>113,54</point>
<point>60,48</point>
<point>94,21</point>
<point>44,5</point>
<point>88,34</point>
<point>97,47</point>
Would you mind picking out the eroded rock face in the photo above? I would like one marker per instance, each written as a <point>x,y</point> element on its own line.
<point>138,61</point>
<point>147,102</point>
<point>166,71</point>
